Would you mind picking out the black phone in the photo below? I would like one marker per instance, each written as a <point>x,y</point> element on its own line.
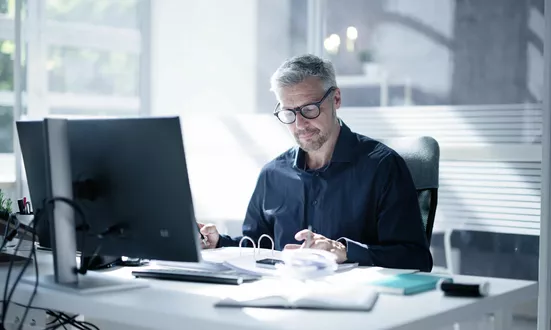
<point>268,262</point>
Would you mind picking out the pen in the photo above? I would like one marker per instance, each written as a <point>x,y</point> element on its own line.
<point>203,238</point>
<point>308,236</point>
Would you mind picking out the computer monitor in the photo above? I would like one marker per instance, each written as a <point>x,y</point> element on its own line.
<point>129,177</point>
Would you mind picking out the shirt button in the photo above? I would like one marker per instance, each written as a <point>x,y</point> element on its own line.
<point>314,202</point>
<point>317,173</point>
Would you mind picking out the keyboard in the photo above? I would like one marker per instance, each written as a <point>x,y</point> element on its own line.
<point>193,275</point>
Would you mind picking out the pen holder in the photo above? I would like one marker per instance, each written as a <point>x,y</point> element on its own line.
<point>24,219</point>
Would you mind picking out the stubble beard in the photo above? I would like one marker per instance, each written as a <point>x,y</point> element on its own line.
<point>314,143</point>
<point>317,140</point>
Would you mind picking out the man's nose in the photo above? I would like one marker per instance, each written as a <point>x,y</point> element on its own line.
<point>299,121</point>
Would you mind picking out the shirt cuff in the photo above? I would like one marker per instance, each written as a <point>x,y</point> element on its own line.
<point>356,252</point>
<point>224,240</point>
<point>343,241</point>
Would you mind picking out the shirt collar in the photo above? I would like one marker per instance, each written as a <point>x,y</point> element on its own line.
<point>343,153</point>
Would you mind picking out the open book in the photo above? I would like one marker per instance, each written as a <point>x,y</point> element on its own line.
<point>336,298</point>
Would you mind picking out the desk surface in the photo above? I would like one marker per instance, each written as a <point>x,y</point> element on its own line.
<point>171,305</point>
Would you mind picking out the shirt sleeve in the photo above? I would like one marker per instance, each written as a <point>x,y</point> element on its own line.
<point>402,239</point>
<point>255,223</point>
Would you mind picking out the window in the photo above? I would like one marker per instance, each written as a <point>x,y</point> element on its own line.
<point>431,52</point>
<point>88,71</point>
<point>7,8</point>
<point>6,130</point>
<point>83,59</point>
<point>93,61</point>
<point>7,159</point>
<point>6,65</point>
<point>117,14</point>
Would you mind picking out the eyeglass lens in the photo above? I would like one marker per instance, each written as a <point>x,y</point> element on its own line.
<point>309,112</point>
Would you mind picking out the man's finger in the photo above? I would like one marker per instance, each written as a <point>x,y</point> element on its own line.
<point>321,244</point>
<point>292,246</point>
<point>208,229</point>
<point>308,242</point>
<point>315,242</point>
<point>303,234</point>
<point>201,225</point>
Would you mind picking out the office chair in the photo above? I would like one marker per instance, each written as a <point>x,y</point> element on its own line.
<point>422,156</point>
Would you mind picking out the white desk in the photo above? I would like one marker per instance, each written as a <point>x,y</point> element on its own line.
<point>177,305</point>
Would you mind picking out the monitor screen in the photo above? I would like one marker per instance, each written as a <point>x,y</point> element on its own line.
<point>129,178</point>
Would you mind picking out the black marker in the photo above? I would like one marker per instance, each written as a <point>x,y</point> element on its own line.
<point>464,290</point>
<point>203,238</point>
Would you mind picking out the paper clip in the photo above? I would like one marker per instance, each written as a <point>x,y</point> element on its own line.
<point>256,247</point>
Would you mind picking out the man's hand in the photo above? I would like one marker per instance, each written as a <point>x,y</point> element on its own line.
<point>317,241</point>
<point>211,235</point>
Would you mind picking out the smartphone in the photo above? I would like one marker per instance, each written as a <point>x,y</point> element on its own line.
<point>268,263</point>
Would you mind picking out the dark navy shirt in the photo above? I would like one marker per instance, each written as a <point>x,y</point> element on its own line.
<point>365,198</point>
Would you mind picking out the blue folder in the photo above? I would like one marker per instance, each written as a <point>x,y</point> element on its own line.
<point>408,284</point>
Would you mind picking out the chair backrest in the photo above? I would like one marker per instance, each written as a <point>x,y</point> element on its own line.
<point>422,156</point>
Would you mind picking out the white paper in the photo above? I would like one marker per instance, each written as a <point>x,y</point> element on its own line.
<point>317,295</point>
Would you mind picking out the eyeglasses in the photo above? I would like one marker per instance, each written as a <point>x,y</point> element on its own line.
<point>308,111</point>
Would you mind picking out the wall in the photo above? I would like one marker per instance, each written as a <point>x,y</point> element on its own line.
<point>203,56</point>
<point>211,65</point>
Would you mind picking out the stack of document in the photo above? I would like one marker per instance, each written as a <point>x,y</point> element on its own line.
<point>235,259</point>
<point>243,260</point>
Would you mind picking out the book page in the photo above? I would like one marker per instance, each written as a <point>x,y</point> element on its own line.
<point>301,294</point>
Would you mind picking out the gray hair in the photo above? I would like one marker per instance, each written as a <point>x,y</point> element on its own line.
<point>294,70</point>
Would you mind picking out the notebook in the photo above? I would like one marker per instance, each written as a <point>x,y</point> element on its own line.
<point>407,284</point>
<point>334,298</point>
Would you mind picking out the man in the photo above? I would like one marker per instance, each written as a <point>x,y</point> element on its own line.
<point>356,194</point>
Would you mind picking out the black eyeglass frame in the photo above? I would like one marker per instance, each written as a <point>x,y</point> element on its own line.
<point>299,109</point>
